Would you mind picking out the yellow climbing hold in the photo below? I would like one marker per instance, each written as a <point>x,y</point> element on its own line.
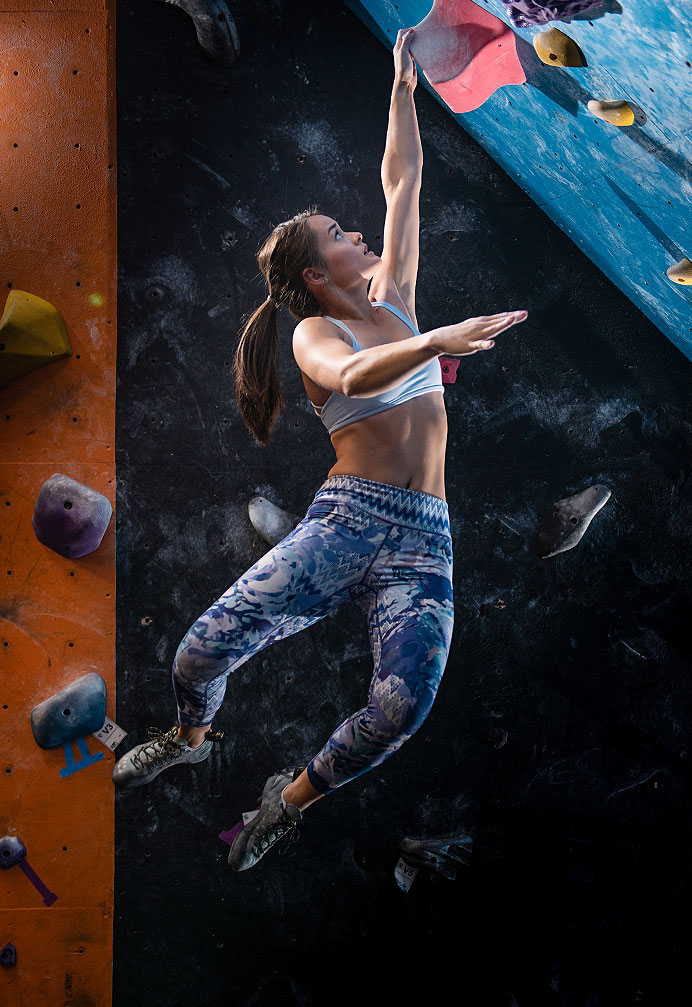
<point>557,49</point>
<point>32,333</point>
<point>618,113</point>
<point>681,272</point>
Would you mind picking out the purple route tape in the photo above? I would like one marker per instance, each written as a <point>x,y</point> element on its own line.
<point>229,835</point>
<point>13,851</point>
<point>48,897</point>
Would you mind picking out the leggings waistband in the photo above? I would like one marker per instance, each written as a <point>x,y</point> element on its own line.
<point>391,503</point>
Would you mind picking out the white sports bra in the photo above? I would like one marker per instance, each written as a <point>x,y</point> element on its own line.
<point>340,410</point>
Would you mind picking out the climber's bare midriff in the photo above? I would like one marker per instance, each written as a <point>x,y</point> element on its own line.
<point>403,446</point>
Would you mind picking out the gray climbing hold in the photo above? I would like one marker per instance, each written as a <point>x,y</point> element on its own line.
<point>270,521</point>
<point>563,527</point>
<point>12,849</point>
<point>8,956</point>
<point>70,518</point>
<point>444,854</point>
<point>216,30</point>
<point>78,709</point>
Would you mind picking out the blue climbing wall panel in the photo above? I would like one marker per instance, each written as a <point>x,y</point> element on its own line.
<point>623,194</point>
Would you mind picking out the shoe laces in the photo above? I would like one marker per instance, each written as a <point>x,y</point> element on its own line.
<point>278,829</point>
<point>295,832</point>
<point>161,743</point>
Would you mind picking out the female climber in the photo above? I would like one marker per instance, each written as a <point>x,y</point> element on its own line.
<point>377,531</point>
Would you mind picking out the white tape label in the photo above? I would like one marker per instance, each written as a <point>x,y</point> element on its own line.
<point>110,734</point>
<point>404,874</point>
<point>249,815</point>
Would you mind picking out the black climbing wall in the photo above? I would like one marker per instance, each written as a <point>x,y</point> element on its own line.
<point>559,737</point>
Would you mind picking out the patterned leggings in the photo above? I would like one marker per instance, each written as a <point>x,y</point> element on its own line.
<point>386,548</point>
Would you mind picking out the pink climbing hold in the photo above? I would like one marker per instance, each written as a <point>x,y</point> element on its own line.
<point>449,367</point>
<point>466,53</point>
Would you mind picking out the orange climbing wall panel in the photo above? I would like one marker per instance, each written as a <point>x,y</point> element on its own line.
<point>58,217</point>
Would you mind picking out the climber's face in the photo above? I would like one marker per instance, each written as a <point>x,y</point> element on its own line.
<point>347,257</point>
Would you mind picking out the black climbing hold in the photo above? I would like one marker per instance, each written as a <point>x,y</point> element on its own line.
<point>497,737</point>
<point>78,709</point>
<point>444,854</point>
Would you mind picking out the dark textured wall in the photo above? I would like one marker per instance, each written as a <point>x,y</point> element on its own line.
<point>580,819</point>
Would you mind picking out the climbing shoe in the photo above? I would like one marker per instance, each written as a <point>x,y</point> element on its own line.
<point>274,819</point>
<point>163,749</point>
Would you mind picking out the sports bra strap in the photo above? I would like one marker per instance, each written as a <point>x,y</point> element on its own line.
<point>385,304</point>
<point>345,327</point>
<point>398,312</point>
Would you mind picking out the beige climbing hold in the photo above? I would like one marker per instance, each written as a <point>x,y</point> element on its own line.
<point>557,49</point>
<point>681,272</point>
<point>618,113</point>
<point>32,333</point>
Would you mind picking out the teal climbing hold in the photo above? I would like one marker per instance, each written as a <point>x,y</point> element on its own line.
<point>76,710</point>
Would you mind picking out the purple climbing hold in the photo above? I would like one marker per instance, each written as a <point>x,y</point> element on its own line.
<point>70,518</point>
<point>526,13</point>
<point>8,956</point>
<point>12,850</point>
<point>228,835</point>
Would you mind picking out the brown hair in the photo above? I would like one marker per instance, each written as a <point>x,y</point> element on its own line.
<point>291,247</point>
